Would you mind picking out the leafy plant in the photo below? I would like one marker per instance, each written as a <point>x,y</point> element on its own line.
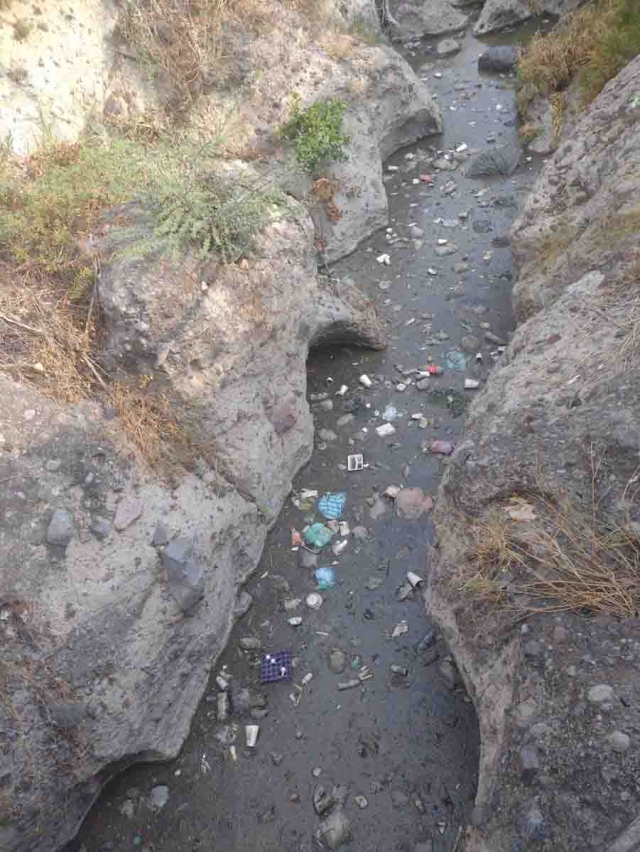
<point>316,133</point>
<point>194,203</point>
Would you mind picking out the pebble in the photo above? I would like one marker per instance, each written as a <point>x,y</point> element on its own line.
<point>250,643</point>
<point>337,661</point>
<point>276,757</point>
<point>128,511</point>
<point>60,529</point>
<point>600,694</point>
<point>399,799</point>
<point>361,801</point>
<point>159,797</point>
<point>327,435</point>
<point>619,741</point>
<point>53,465</point>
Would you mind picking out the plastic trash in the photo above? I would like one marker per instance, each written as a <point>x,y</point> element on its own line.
<point>414,579</point>
<point>471,384</point>
<point>325,578</point>
<point>355,462</point>
<point>276,667</point>
<point>434,370</point>
<point>314,600</point>
<point>426,642</point>
<point>296,621</point>
<point>385,430</point>
<point>442,448</point>
<point>390,413</point>
<point>318,535</point>
<point>456,360</point>
<point>365,380</point>
<point>400,628</point>
<point>332,505</point>
<point>339,546</point>
<point>251,734</point>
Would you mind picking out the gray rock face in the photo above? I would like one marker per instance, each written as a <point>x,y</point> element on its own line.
<point>561,385</point>
<point>130,630</point>
<point>498,14</point>
<point>419,18</point>
<point>498,160</point>
<point>395,110</point>
<point>60,529</point>
<point>500,58</point>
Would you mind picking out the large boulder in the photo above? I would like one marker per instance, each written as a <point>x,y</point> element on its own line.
<point>420,18</point>
<point>536,581</point>
<point>499,14</point>
<point>119,583</point>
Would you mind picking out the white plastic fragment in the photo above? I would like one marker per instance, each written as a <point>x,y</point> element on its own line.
<point>384,259</point>
<point>414,579</point>
<point>365,380</point>
<point>251,734</point>
<point>471,384</point>
<point>385,430</point>
<point>355,462</point>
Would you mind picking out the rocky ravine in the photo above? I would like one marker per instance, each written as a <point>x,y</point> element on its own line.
<point>118,589</point>
<point>557,693</point>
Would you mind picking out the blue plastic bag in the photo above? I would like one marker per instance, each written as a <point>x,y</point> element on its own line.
<point>332,505</point>
<point>325,578</point>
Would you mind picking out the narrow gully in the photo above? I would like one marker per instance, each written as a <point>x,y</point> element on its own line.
<point>405,747</point>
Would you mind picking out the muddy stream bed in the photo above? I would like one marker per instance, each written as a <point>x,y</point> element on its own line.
<point>401,744</point>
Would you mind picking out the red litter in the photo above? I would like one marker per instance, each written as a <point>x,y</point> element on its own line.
<point>442,448</point>
<point>426,178</point>
<point>434,370</point>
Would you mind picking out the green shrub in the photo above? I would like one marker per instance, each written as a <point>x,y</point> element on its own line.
<point>316,133</point>
<point>194,203</point>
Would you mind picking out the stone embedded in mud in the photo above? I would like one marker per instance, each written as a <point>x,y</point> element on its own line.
<point>619,741</point>
<point>447,47</point>
<point>496,160</point>
<point>60,529</point>
<point>129,510</point>
<point>159,797</point>
<point>501,58</point>
<point>335,829</point>
<point>411,503</point>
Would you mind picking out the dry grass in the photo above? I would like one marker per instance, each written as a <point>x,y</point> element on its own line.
<point>528,132</point>
<point>338,45</point>
<point>594,43</point>
<point>558,562</point>
<point>549,247</point>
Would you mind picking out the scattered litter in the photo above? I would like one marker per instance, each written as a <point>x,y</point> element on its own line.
<point>401,386</point>
<point>316,772</point>
<point>442,242</point>
<point>205,766</point>
<point>339,546</point>
<point>318,535</point>
<point>361,801</point>
<point>441,448</point>
<point>392,168</point>
<point>411,503</point>
<point>461,148</point>
<point>342,390</point>
<point>292,604</point>
<point>520,510</point>
<point>355,462</point>
<point>348,684</point>
<point>432,271</point>
<point>325,578</point>
<point>426,178</point>
<point>223,706</point>
<point>334,830</point>
<point>390,413</point>
<point>308,493</point>
<point>384,258</point>
<point>314,600</point>
<point>414,579</point>
<point>251,735</point>
<point>401,628</point>
<point>344,528</point>
<point>434,370</point>
<point>438,74</point>
<point>426,642</point>
<point>385,429</point>
<point>471,384</point>
<point>392,491</point>
<point>456,360</point>
<point>296,621</point>
<point>365,380</point>
<point>276,667</point>
<point>332,505</point>
<point>400,670</point>
<point>307,679</point>
<point>296,538</point>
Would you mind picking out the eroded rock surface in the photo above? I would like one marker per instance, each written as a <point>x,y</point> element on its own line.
<point>117,587</point>
<point>556,426</point>
<point>498,14</point>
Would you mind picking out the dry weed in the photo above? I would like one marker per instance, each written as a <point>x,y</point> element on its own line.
<point>560,561</point>
<point>338,45</point>
<point>157,427</point>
